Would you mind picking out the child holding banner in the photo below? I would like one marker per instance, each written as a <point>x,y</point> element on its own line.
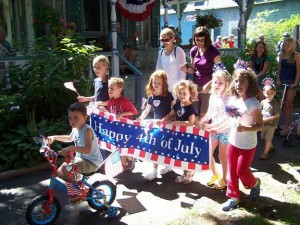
<point>245,110</point>
<point>101,69</point>
<point>219,126</point>
<point>160,100</point>
<point>122,108</point>
<point>184,112</point>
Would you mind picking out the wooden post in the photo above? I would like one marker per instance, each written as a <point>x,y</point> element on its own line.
<point>166,15</point>
<point>115,58</point>
<point>243,24</point>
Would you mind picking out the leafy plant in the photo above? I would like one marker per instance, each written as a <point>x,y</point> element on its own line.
<point>48,18</point>
<point>41,97</point>
<point>18,148</point>
<point>209,20</point>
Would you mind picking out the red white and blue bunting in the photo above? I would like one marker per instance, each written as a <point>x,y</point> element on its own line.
<point>136,10</point>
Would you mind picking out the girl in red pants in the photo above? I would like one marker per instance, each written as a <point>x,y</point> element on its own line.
<point>246,114</point>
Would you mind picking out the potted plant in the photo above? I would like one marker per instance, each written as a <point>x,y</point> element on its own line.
<point>209,20</point>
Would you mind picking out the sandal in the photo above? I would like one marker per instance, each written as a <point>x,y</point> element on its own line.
<point>213,179</point>
<point>220,184</point>
<point>179,179</point>
<point>188,177</point>
<point>75,200</point>
<point>264,156</point>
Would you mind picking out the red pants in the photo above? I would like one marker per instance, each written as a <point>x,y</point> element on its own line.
<point>239,162</point>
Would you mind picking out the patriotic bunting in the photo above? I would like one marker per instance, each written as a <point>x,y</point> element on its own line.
<point>136,10</point>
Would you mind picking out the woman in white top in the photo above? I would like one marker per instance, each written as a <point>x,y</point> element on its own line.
<point>171,58</point>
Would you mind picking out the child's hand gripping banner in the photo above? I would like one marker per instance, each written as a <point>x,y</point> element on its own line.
<point>181,147</point>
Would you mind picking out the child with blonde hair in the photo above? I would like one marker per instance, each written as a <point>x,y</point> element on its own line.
<point>122,108</point>
<point>219,126</point>
<point>288,73</point>
<point>101,69</point>
<point>184,112</point>
<point>160,100</point>
<point>245,110</point>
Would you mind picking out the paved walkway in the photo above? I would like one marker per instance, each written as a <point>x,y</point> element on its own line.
<point>142,202</point>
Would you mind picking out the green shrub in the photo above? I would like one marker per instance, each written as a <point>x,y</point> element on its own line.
<point>17,148</point>
<point>37,98</point>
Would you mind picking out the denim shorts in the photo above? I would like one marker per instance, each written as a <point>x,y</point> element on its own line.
<point>222,137</point>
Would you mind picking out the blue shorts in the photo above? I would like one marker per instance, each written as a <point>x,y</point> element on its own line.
<point>222,137</point>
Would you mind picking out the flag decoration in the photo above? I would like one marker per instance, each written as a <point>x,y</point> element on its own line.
<point>181,147</point>
<point>232,111</point>
<point>113,165</point>
<point>70,85</point>
<point>136,10</point>
<point>73,189</point>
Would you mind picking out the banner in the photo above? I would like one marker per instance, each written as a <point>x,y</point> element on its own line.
<point>184,147</point>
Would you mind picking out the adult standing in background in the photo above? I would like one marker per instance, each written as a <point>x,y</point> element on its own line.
<point>171,58</point>
<point>218,43</point>
<point>231,41</point>
<point>203,56</point>
<point>225,43</point>
<point>280,43</point>
<point>261,37</point>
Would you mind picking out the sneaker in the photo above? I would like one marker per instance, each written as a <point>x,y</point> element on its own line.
<point>166,170</point>
<point>213,179</point>
<point>179,179</point>
<point>255,191</point>
<point>230,205</point>
<point>220,184</point>
<point>151,176</point>
<point>188,179</point>
<point>130,165</point>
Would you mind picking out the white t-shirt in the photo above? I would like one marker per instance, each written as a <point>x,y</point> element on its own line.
<point>216,110</point>
<point>171,64</point>
<point>246,139</point>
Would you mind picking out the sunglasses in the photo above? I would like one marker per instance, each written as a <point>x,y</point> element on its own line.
<point>165,40</point>
<point>200,40</point>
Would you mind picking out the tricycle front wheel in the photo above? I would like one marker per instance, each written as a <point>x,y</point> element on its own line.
<point>39,211</point>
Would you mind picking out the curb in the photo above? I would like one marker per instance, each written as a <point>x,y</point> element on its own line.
<point>41,166</point>
<point>22,171</point>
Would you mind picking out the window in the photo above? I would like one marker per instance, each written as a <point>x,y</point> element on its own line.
<point>91,15</point>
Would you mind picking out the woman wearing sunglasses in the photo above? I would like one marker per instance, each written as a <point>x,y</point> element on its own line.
<point>171,58</point>
<point>203,56</point>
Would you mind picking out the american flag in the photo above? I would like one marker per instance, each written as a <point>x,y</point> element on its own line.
<point>73,189</point>
<point>113,165</point>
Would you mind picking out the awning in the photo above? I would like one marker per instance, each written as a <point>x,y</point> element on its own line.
<point>136,10</point>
